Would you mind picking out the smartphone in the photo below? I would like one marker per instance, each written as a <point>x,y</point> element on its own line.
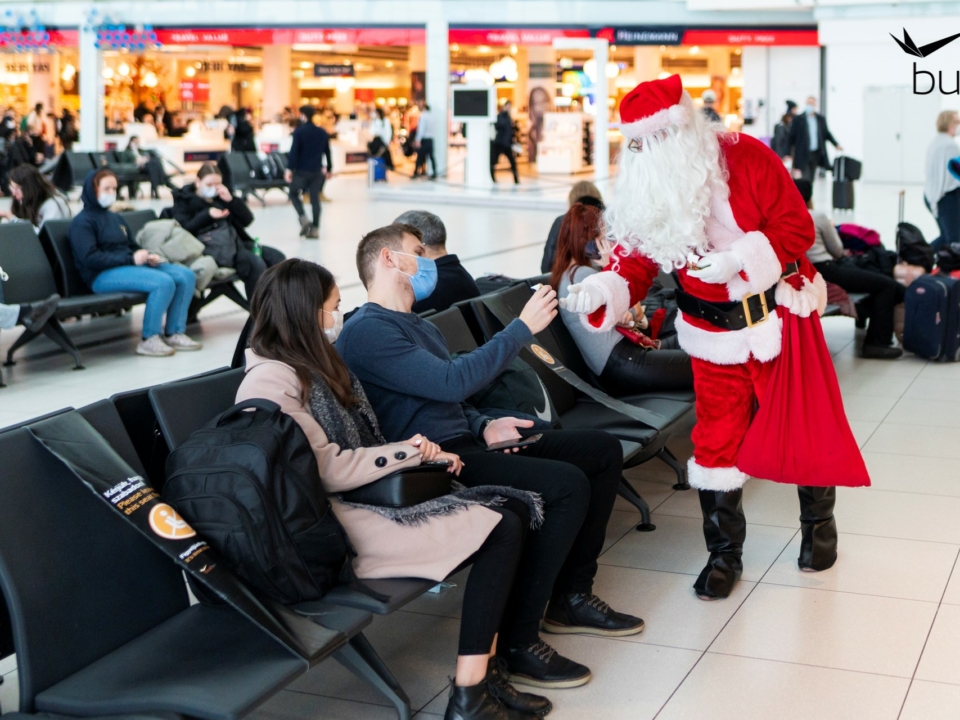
<point>511,444</point>
<point>436,464</point>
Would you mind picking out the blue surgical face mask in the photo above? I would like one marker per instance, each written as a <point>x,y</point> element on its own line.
<point>811,109</point>
<point>424,280</point>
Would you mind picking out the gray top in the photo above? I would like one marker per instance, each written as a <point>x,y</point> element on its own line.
<point>595,346</point>
<point>827,245</point>
<point>938,180</point>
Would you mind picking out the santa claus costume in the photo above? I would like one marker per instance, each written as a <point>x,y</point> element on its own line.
<point>720,210</point>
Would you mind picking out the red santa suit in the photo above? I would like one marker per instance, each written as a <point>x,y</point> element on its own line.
<point>765,223</point>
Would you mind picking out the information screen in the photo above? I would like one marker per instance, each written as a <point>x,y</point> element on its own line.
<point>471,103</point>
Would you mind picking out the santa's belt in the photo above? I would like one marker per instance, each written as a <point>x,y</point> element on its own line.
<point>752,310</point>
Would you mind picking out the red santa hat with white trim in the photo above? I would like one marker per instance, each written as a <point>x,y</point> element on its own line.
<point>654,105</point>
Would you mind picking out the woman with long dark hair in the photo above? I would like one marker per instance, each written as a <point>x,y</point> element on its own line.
<point>622,366</point>
<point>35,199</point>
<point>292,362</point>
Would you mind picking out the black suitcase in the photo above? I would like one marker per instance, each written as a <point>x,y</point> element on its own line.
<point>931,326</point>
<point>843,194</point>
<point>846,168</point>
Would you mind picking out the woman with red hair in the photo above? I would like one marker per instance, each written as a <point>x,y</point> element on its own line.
<point>624,363</point>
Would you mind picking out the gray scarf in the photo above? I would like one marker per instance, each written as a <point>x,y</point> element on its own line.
<point>356,427</point>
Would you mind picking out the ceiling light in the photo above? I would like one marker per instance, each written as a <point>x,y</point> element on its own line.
<point>107,73</point>
<point>483,49</point>
<point>612,70</point>
<point>389,63</point>
<point>306,65</point>
<point>123,69</point>
<point>513,49</point>
<point>455,48</point>
<point>190,71</point>
<point>695,50</point>
<point>566,63</point>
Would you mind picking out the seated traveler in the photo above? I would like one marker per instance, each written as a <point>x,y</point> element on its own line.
<point>150,164</point>
<point>208,210</point>
<point>622,366</point>
<point>827,254</point>
<point>582,192</point>
<point>35,199</point>
<point>109,261</point>
<point>292,362</point>
<point>454,283</point>
<point>413,385</point>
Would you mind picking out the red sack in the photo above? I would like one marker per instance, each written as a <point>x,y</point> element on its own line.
<point>800,434</point>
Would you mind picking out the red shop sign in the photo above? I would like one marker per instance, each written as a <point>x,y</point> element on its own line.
<point>512,36</point>
<point>291,36</point>
<point>194,91</point>
<point>752,37</point>
<point>58,38</point>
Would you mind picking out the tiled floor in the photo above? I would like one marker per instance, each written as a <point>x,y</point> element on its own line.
<point>876,637</point>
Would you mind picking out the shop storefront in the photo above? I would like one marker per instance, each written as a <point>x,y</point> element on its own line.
<point>42,69</point>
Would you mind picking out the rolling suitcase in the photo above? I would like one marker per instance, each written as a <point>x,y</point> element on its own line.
<point>376,170</point>
<point>846,168</point>
<point>932,318</point>
<point>842,186</point>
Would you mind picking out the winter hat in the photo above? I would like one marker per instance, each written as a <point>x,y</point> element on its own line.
<point>653,106</point>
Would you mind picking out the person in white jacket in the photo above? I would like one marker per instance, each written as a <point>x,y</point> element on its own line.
<point>941,190</point>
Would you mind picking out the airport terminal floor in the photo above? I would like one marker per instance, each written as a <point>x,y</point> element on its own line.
<point>876,636</point>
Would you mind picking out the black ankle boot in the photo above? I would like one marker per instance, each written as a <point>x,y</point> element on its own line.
<point>509,696</point>
<point>724,529</point>
<point>478,703</point>
<point>818,528</point>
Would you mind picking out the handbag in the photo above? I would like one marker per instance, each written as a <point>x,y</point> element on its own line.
<point>404,488</point>
<point>220,243</point>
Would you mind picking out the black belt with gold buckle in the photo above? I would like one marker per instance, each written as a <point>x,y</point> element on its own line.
<point>752,310</point>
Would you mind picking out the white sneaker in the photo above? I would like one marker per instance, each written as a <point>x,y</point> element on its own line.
<point>182,342</point>
<point>154,347</point>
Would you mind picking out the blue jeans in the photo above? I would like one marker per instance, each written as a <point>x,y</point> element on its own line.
<point>169,290</point>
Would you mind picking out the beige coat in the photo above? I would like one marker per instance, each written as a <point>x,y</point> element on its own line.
<point>384,548</point>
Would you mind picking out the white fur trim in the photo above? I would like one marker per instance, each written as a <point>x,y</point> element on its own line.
<point>722,479</point>
<point>660,120</point>
<point>812,296</point>
<point>616,297</point>
<point>732,347</point>
<point>760,263</point>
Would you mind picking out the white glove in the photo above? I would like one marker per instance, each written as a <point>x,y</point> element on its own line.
<point>718,268</point>
<point>582,298</point>
<point>801,302</point>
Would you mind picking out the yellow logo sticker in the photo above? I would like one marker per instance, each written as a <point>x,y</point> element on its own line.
<point>165,522</point>
<point>543,354</point>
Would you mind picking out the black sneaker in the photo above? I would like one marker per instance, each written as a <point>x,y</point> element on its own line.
<point>880,352</point>
<point>582,614</point>
<point>509,696</point>
<point>35,316</point>
<point>540,665</point>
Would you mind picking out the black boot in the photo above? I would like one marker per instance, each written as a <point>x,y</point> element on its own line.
<point>508,695</point>
<point>818,528</point>
<point>478,703</point>
<point>35,315</point>
<point>724,529</point>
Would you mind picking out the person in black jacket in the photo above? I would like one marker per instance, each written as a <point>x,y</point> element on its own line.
<point>809,149</point>
<point>503,143</point>
<point>201,207</point>
<point>454,283</point>
<point>305,171</point>
<point>243,134</point>
<point>109,261</point>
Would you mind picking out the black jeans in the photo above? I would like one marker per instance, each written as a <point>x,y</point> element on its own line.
<point>885,293</point>
<point>425,152</point>
<point>312,182</point>
<point>577,473</point>
<point>495,152</point>
<point>632,369</point>
<point>491,579</point>
<point>813,164</point>
<point>948,218</point>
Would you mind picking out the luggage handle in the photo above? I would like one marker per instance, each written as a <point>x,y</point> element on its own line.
<point>902,196</point>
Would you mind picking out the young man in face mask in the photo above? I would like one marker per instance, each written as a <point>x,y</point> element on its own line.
<point>405,368</point>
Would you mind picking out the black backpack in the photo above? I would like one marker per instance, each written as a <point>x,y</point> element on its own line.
<point>248,482</point>
<point>517,389</point>
<point>912,248</point>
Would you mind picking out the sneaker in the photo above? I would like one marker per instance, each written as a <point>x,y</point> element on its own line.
<point>154,347</point>
<point>583,614</point>
<point>540,665</point>
<point>182,342</point>
<point>880,352</point>
<point>509,696</point>
<point>36,315</point>
<point>304,225</point>
<point>313,233</point>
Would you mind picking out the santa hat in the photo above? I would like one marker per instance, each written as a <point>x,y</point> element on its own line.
<point>652,106</point>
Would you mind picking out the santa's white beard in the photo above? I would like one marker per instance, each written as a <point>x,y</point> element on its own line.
<point>662,195</point>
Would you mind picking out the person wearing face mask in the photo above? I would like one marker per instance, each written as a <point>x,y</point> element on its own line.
<point>808,140</point>
<point>35,199</point>
<point>208,210</point>
<point>414,386</point>
<point>109,261</point>
<point>290,363</point>
<point>621,365</point>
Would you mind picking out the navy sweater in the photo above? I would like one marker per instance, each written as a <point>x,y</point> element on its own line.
<point>406,371</point>
<point>310,144</point>
<point>100,239</point>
